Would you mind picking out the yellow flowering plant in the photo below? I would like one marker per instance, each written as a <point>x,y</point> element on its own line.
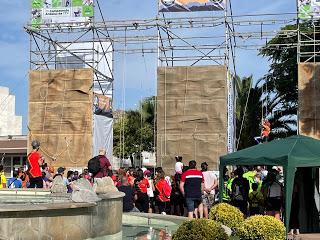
<point>200,229</point>
<point>261,227</point>
<point>227,215</point>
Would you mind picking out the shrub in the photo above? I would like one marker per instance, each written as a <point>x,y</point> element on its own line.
<point>227,215</point>
<point>261,227</point>
<point>200,229</point>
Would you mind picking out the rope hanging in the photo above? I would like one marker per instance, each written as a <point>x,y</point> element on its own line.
<point>244,114</point>
<point>122,147</point>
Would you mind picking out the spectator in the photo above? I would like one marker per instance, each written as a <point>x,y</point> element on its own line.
<point>60,172</point>
<point>210,184</point>
<point>75,176</point>
<point>273,193</point>
<point>141,184</point>
<point>179,165</point>
<point>258,180</point>
<point>131,175</point>
<point>176,198</point>
<point>164,192</point>
<point>192,186</point>
<point>264,173</point>
<point>86,174</point>
<point>46,182</point>
<point>24,178</point>
<point>34,162</point>
<point>3,180</point>
<point>255,200</point>
<point>105,165</point>
<point>150,191</point>
<point>295,208</point>
<point>44,166</point>
<point>129,197</point>
<point>15,181</point>
<point>240,191</point>
<point>70,175</point>
<point>50,173</point>
<point>121,172</point>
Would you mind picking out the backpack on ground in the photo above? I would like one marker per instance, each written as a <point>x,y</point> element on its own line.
<point>94,165</point>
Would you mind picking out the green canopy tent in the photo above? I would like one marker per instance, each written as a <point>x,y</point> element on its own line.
<point>291,153</point>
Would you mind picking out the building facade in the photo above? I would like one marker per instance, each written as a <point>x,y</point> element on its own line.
<point>13,153</point>
<point>10,124</point>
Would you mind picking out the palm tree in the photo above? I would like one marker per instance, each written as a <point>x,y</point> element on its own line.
<point>257,102</point>
<point>282,115</point>
<point>248,111</point>
<point>147,109</point>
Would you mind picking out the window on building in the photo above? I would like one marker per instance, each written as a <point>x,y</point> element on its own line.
<point>7,166</point>
<point>24,161</point>
<point>17,161</point>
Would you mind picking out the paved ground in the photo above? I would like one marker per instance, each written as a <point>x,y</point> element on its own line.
<point>305,237</point>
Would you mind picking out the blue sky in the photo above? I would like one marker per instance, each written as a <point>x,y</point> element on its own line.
<point>139,73</point>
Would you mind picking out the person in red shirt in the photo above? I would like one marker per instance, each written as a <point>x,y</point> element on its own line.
<point>192,188</point>
<point>131,176</point>
<point>141,184</point>
<point>163,194</point>
<point>104,165</point>
<point>34,169</point>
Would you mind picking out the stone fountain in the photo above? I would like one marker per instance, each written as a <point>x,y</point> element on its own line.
<point>50,214</point>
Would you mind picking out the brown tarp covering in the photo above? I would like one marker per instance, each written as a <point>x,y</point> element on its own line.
<point>60,115</point>
<point>191,115</point>
<point>309,99</point>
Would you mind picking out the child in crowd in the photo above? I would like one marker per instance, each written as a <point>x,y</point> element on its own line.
<point>255,200</point>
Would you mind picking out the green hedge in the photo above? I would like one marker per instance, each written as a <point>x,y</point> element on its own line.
<point>227,215</point>
<point>261,227</point>
<point>200,229</point>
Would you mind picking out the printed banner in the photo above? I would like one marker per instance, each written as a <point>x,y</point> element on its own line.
<point>191,5</point>
<point>46,12</point>
<point>308,9</point>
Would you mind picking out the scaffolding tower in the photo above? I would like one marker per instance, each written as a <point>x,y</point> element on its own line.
<point>179,41</point>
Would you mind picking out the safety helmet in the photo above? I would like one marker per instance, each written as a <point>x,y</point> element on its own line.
<point>35,144</point>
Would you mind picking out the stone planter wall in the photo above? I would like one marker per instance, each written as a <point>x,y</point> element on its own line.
<point>63,221</point>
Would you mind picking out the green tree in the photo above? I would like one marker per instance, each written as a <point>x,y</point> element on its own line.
<point>147,109</point>
<point>281,81</point>
<point>126,134</point>
<point>133,131</point>
<point>248,112</point>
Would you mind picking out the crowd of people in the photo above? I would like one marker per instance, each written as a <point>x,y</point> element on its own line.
<point>254,190</point>
<point>188,192</point>
<point>192,192</point>
<point>38,174</point>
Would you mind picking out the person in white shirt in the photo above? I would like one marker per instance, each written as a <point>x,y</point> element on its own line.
<point>150,191</point>
<point>210,184</point>
<point>273,192</point>
<point>179,165</point>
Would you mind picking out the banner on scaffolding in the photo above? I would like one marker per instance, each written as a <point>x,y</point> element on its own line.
<point>308,9</point>
<point>191,5</point>
<point>75,12</point>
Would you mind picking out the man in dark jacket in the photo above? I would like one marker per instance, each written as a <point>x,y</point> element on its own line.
<point>240,191</point>
<point>130,196</point>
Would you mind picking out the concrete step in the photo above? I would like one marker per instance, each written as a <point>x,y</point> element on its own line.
<point>313,236</point>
